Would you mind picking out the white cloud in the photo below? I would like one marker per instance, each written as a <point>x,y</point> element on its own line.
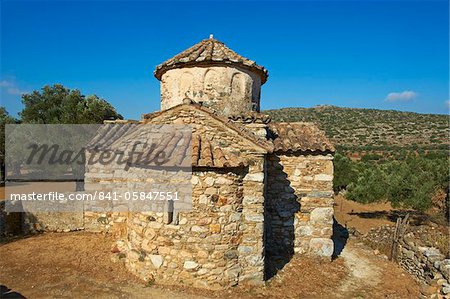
<point>11,87</point>
<point>447,104</point>
<point>404,96</point>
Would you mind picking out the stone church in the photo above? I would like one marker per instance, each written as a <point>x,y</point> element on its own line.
<point>261,190</point>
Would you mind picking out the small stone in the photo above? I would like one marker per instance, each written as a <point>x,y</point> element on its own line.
<point>198,229</point>
<point>231,254</point>
<point>254,217</point>
<point>245,249</point>
<point>157,260</point>
<point>251,199</point>
<point>209,181</point>
<point>211,191</point>
<point>323,177</point>
<point>233,272</point>
<point>190,265</point>
<point>203,199</point>
<point>322,215</point>
<point>214,228</point>
<point>255,177</point>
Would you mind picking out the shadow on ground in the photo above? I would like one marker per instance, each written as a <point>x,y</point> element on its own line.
<point>416,218</point>
<point>7,293</point>
<point>340,237</point>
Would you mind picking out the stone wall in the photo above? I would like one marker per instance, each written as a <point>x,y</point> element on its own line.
<point>202,245</point>
<point>427,264</point>
<point>228,90</point>
<point>217,244</point>
<point>299,205</point>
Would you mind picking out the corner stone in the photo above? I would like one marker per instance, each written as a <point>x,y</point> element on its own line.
<point>322,215</point>
<point>321,247</point>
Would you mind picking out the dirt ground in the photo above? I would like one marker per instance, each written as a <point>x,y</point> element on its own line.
<point>78,265</point>
<point>363,217</point>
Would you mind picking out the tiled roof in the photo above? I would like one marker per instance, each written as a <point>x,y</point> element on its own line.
<point>299,137</point>
<point>251,117</point>
<point>239,128</point>
<point>113,136</point>
<point>206,154</point>
<point>209,52</point>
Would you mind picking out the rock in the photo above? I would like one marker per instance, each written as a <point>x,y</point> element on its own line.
<point>323,177</point>
<point>305,231</point>
<point>427,290</point>
<point>214,228</point>
<point>149,233</point>
<point>252,279</point>
<point>254,217</point>
<point>245,249</point>
<point>209,181</point>
<point>203,199</point>
<point>156,260</point>
<point>190,265</point>
<point>231,254</point>
<point>233,272</point>
<point>322,215</point>
<point>251,199</point>
<point>255,177</point>
<point>321,247</point>
<point>441,282</point>
<point>198,229</point>
<point>211,191</point>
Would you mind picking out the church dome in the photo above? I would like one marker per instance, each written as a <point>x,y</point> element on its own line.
<point>210,52</point>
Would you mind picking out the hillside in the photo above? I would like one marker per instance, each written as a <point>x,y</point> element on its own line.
<point>371,129</point>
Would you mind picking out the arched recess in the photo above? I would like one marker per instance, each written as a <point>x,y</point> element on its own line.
<point>211,84</point>
<point>186,85</point>
<point>238,88</point>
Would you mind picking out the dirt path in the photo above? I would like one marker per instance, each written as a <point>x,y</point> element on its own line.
<point>364,274</point>
<point>373,276</point>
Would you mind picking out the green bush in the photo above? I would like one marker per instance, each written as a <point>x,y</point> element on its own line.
<point>409,181</point>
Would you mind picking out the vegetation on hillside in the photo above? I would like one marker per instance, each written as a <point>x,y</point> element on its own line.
<point>400,157</point>
<point>409,182</point>
<point>370,129</point>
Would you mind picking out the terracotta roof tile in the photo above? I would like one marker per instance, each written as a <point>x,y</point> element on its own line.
<point>207,52</point>
<point>207,154</point>
<point>246,133</point>
<point>299,137</point>
<point>251,117</point>
<point>175,145</point>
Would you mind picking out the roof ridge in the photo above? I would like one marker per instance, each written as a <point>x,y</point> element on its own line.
<point>213,52</point>
<point>241,130</point>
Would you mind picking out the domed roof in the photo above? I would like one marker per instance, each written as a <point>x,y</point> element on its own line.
<point>210,52</point>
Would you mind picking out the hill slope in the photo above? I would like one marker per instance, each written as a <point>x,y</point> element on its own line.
<point>352,128</point>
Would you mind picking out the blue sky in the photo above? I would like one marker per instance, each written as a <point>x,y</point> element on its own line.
<point>369,54</point>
